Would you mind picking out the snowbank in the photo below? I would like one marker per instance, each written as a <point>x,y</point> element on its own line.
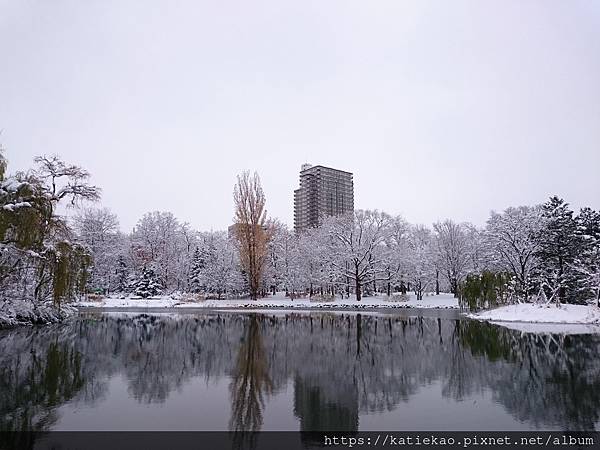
<point>442,301</point>
<point>520,316</point>
<point>13,313</point>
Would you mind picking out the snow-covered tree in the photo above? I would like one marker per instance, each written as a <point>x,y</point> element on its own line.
<point>275,267</point>
<point>358,247</point>
<point>196,269</point>
<point>98,231</point>
<point>36,243</point>
<point>160,240</point>
<point>587,262</point>
<point>420,260</point>
<point>397,253</point>
<point>315,253</point>
<point>512,240</point>
<point>559,246</point>
<point>453,251</point>
<point>222,272</point>
<point>292,265</point>
<point>147,284</point>
<point>121,275</point>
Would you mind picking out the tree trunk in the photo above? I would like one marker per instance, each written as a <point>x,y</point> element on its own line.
<point>561,289</point>
<point>358,290</point>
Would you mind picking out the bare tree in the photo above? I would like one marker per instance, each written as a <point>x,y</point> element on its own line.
<point>66,180</point>
<point>251,229</point>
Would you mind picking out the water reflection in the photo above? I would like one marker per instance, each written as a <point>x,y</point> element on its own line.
<point>339,366</point>
<point>33,384</point>
<point>250,382</point>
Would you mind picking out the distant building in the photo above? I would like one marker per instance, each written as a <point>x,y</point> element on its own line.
<point>323,192</point>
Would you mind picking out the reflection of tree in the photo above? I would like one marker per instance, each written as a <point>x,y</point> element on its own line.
<point>459,381</point>
<point>251,380</point>
<point>345,367</point>
<point>32,386</point>
<point>320,409</point>
<point>550,380</point>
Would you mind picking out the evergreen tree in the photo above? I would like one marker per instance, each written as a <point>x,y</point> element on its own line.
<point>198,264</point>
<point>147,284</point>
<point>121,273</point>
<point>559,246</point>
<point>587,262</point>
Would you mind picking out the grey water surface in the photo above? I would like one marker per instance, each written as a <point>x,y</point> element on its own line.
<point>312,371</point>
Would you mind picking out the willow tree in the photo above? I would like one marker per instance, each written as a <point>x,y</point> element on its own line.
<point>2,164</point>
<point>35,241</point>
<point>251,229</point>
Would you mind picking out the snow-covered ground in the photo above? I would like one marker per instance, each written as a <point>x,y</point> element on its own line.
<point>442,301</point>
<point>528,317</point>
<point>14,313</point>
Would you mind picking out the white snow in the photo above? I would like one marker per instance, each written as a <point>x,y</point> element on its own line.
<point>547,314</point>
<point>132,302</point>
<point>13,206</point>
<point>23,312</point>
<point>442,301</point>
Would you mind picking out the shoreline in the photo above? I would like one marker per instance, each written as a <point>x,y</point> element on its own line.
<point>17,314</point>
<point>529,317</point>
<point>434,312</point>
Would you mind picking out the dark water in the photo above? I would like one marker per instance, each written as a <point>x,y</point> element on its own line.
<point>318,371</point>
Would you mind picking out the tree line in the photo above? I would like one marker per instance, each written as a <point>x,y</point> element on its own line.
<point>544,252</point>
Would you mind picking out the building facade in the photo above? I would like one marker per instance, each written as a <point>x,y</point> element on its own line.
<point>323,192</point>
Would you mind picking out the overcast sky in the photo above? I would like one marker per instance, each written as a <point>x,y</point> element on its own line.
<point>440,109</point>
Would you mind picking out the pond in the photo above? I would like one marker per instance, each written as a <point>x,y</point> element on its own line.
<point>295,371</point>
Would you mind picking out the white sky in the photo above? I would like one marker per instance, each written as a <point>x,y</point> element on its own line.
<point>440,109</point>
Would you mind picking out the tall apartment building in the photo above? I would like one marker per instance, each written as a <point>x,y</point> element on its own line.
<point>323,192</point>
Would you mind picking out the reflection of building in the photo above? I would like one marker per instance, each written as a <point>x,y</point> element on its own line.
<point>323,192</point>
<point>323,408</point>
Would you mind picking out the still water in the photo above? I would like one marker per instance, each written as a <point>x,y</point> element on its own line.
<point>291,371</point>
